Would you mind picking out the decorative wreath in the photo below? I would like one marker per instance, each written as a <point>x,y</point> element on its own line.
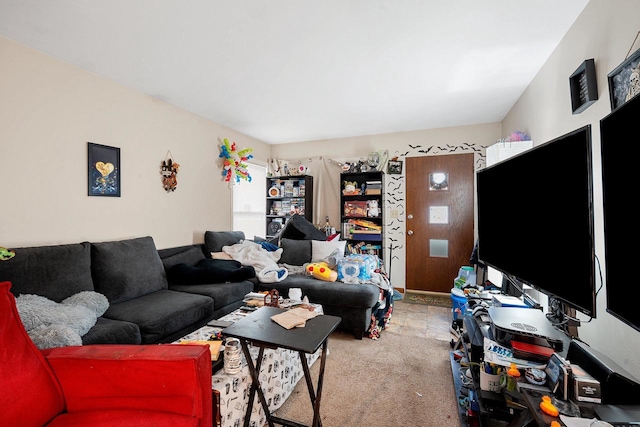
<point>234,162</point>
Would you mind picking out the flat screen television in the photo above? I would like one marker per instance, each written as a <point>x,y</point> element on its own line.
<point>535,219</point>
<point>620,178</point>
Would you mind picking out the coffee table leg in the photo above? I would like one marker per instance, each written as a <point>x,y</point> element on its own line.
<point>254,370</point>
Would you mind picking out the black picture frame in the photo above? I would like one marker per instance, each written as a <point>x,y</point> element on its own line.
<point>583,86</point>
<point>394,167</point>
<point>621,88</point>
<point>103,164</point>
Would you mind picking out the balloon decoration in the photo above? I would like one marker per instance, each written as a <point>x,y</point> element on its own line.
<point>235,167</point>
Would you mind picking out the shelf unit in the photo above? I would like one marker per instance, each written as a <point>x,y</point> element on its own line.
<point>362,222</point>
<point>287,196</point>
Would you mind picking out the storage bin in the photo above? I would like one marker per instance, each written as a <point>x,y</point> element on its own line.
<point>466,276</point>
<point>458,301</point>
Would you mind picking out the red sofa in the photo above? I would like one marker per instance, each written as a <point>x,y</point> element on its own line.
<point>100,385</point>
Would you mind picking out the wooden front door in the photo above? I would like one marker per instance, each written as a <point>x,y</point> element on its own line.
<point>439,220</point>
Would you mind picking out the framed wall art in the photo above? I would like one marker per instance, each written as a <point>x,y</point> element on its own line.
<point>583,86</point>
<point>103,170</point>
<point>394,167</point>
<point>624,80</point>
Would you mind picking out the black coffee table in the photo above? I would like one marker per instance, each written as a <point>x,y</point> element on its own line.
<point>259,330</point>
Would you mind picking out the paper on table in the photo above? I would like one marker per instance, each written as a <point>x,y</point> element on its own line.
<point>296,317</point>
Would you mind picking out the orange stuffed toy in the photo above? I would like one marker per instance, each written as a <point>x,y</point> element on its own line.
<point>321,271</point>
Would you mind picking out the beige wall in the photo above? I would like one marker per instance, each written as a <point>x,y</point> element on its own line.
<point>49,110</point>
<point>604,31</point>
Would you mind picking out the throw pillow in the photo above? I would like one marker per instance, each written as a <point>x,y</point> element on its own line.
<point>298,227</point>
<point>321,250</point>
<point>295,252</point>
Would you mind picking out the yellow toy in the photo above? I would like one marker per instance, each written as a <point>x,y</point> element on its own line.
<point>321,271</point>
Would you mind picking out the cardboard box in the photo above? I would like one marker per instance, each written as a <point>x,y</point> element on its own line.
<point>585,387</point>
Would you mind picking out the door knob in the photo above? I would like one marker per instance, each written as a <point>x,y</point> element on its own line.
<point>409,216</point>
<point>410,232</point>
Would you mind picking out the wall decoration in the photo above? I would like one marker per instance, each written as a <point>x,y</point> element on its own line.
<point>234,162</point>
<point>624,81</point>
<point>169,172</point>
<point>583,86</point>
<point>394,166</point>
<point>438,181</point>
<point>104,170</point>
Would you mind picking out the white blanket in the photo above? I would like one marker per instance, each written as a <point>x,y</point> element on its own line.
<point>263,261</point>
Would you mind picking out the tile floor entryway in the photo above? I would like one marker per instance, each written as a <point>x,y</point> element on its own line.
<point>421,320</point>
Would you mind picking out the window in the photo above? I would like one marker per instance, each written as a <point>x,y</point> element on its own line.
<point>249,201</point>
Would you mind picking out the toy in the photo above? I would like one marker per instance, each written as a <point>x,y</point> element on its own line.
<point>6,254</point>
<point>547,407</point>
<point>234,162</point>
<point>350,189</point>
<point>321,271</point>
<point>372,208</point>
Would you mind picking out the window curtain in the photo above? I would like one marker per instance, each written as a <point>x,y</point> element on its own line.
<point>326,184</point>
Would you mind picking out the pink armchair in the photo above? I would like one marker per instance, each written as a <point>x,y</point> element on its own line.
<point>99,385</point>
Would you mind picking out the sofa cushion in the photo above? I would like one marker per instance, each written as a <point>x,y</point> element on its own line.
<point>162,313</point>
<point>54,272</point>
<point>335,294</point>
<point>223,294</point>
<point>127,269</point>
<point>190,256</point>
<point>109,331</point>
<point>295,252</point>
<point>215,240</point>
<point>210,271</point>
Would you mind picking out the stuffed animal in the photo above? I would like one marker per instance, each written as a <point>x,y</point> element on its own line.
<point>350,189</point>
<point>51,324</point>
<point>373,210</point>
<point>321,271</point>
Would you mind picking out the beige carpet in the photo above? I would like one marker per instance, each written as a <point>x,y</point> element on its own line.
<point>396,381</point>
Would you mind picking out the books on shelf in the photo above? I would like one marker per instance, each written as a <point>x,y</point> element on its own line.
<point>373,188</point>
<point>355,235</point>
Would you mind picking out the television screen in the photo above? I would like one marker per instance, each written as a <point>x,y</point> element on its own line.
<point>619,179</point>
<point>535,219</point>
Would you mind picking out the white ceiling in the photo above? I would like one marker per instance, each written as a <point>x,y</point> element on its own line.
<point>299,70</point>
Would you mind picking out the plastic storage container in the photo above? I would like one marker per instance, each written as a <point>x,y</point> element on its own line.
<point>458,301</point>
<point>466,276</point>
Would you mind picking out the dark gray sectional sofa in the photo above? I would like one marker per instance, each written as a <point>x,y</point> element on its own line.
<point>143,307</point>
<point>353,303</point>
<point>161,295</point>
